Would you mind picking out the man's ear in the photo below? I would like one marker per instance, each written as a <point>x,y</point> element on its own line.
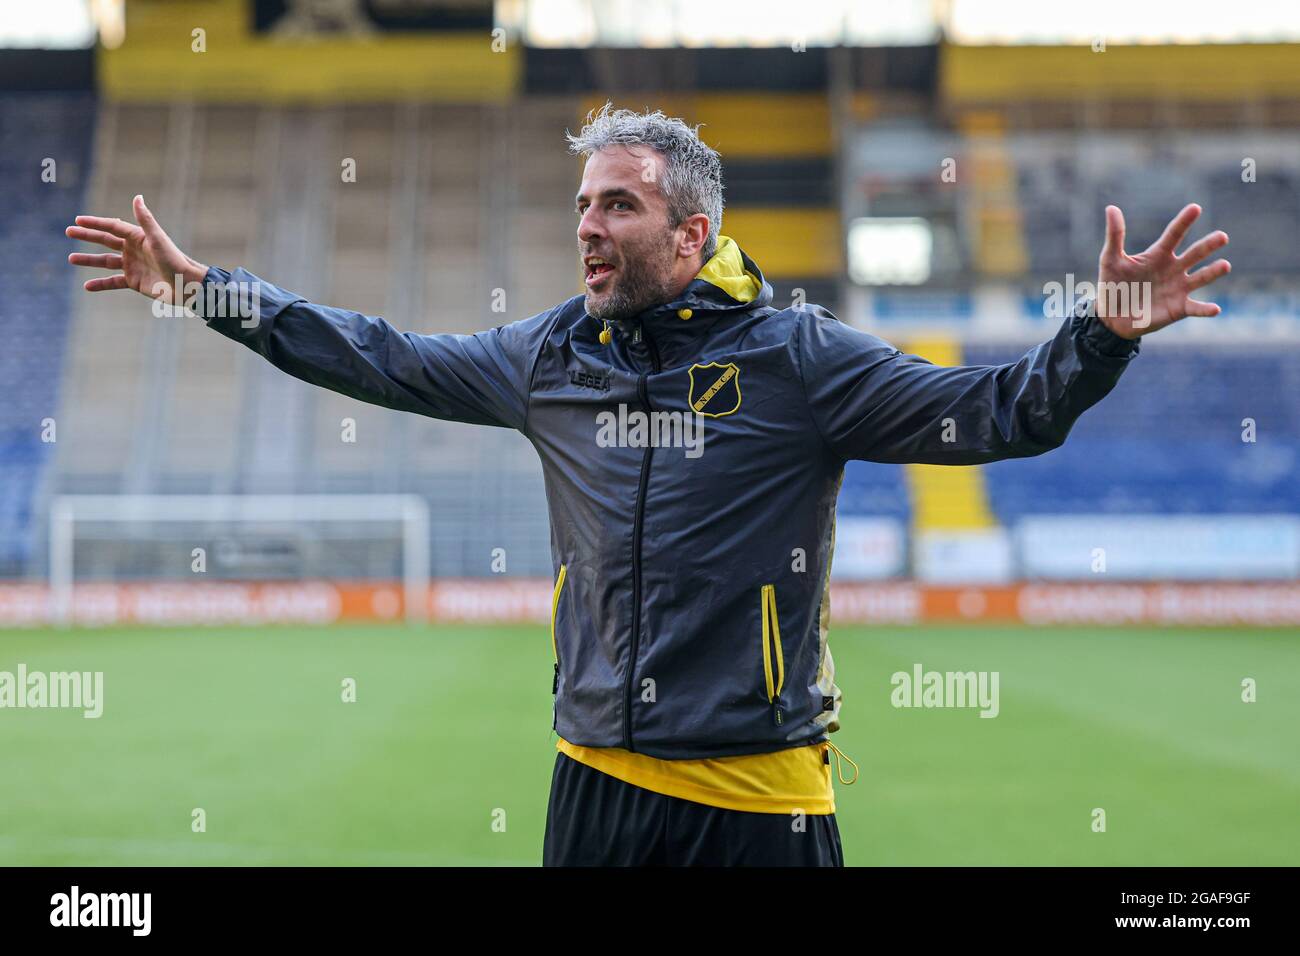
<point>695,232</point>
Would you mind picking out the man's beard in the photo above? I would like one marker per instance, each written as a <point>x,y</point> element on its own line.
<point>641,282</point>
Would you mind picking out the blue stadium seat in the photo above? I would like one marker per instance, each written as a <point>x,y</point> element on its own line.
<point>1168,439</point>
<point>872,489</point>
<point>35,290</point>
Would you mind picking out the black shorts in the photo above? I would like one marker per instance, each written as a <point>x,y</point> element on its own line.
<point>597,820</point>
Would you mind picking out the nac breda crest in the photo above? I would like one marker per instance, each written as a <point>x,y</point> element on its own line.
<point>715,389</point>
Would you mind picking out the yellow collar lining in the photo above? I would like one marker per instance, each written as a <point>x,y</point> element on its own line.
<point>726,271</point>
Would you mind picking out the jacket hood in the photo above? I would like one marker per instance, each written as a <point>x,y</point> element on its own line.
<point>730,278</point>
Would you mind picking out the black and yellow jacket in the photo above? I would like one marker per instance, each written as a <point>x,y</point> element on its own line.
<point>690,599</point>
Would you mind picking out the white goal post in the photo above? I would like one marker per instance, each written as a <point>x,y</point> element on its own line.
<point>411,511</point>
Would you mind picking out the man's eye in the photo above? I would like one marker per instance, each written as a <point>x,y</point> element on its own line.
<point>619,202</point>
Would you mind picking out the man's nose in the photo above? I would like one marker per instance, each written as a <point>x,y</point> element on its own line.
<point>589,228</point>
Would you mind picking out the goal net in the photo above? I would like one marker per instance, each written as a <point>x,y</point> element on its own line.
<point>276,545</point>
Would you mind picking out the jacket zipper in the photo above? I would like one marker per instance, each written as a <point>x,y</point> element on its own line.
<point>773,657</point>
<point>555,647</point>
<point>638,522</point>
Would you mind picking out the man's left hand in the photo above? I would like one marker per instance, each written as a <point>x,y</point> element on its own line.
<point>1154,286</point>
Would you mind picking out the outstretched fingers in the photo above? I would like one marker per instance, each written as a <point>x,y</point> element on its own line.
<point>106,284</point>
<point>117,227</point>
<point>1207,274</point>
<point>94,235</point>
<point>142,214</point>
<point>1177,228</point>
<point>1114,233</point>
<point>1202,248</point>
<point>1202,308</point>
<point>105,260</point>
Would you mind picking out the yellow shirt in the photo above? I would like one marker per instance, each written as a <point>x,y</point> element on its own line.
<point>783,781</point>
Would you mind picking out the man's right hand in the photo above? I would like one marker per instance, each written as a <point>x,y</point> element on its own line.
<point>149,260</point>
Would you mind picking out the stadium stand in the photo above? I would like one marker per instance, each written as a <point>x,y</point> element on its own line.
<point>455,220</point>
<point>163,405</point>
<point>872,489</point>
<point>35,292</point>
<point>1168,440</point>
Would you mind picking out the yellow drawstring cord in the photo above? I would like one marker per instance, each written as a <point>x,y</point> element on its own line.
<point>839,765</point>
<point>606,336</point>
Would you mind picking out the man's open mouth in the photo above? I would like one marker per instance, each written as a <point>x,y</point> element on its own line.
<point>598,271</point>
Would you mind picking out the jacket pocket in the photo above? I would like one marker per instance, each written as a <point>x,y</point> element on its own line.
<point>773,654</point>
<point>555,646</point>
<point>555,610</point>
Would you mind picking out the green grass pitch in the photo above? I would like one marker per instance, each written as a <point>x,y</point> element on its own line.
<point>451,732</point>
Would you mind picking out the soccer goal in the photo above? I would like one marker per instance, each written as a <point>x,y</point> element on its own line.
<point>203,539</point>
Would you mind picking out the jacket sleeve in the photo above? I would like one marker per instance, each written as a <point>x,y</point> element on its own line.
<point>482,379</point>
<point>874,403</point>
